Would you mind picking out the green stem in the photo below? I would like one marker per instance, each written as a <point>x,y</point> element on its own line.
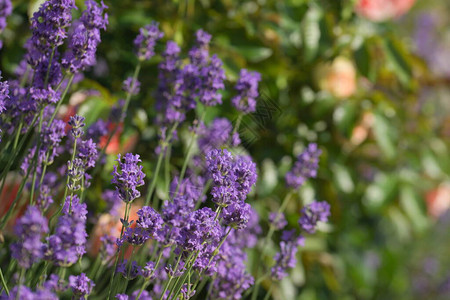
<point>147,281</point>
<point>167,170</point>
<point>36,156</point>
<point>5,286</point>
<point>266,242</point>
<point>166,287</point>
<point>123,111</point>
<point>238,123</point>
<point>164,144</point>
<point>127,206</point>
<point>62,98</point>
<point>189,152</point>
<point>269,292</point>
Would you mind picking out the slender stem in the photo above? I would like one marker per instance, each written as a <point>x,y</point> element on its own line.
<point>5,218</point>
<point>164,144</point>
<point>167,170</point>
<point>189,152</point>
<point>269,292</point>
<point>266,242</point>
<point>5,286</point>
<point>147,281</point>
<point>210,287</point>
<point>36,156</point>
<point>238,123</point>
<point>123,111</point>
<point>171,277</point>
<point>127,206</point>
<point>62,98</point>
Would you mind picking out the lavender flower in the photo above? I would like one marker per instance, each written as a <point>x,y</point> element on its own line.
<point>29,230</point>
<point>187,292</point>
<point>236,215</point>
<point>313,213</point>
<point>204,75</point>
<point>108,247</point>
<point>88,153</point>
<point>286,259</point>
<point>247,87</point>
<point>128,177</point>
<point>170,98</point>
<point>216,135</point>
<point>148,271</point>
<point>68,243</point>
<point>5,11</point>
<point>77,123</point>
<point>81,286</point>
<point>23,292</point>
<point>131,87</point>
<point>232,178</point>
<point>55,284</point>
<point>146,40</point>
<point>97,130</point>
<point>149,220</point>
<point>202,227</point>
<point>277,220</point>
<point>113,202</point>
<point>4,94</point>
<point>305,167</point>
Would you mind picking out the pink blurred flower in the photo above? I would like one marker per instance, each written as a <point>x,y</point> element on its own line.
<point>382,10</point>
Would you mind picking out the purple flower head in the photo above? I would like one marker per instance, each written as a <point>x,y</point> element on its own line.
<point>108,246</point>
<point>187,292</point>
<point>122,297</point>
<point>134,236</point>
<point>44,96</point>
<point>23,292</point>
<point>216,135</point>
<point>190,187</point>
<point>29,229</point>
<point>48,27</point>
<point>146,40</point>
<point>131,86</point>
<point>176,212</point>
<point>81,286</point>
<point>285,259</point>
<point>77,123</point>
<point>128,177</point>
<point>87,152</point>
<point>203,38</point>
<point>201,227</point>
<point>245,174</point>
<point>68,243</point>
<point>97,130</point>
<point>247,88</point>
<point>233,177</point>
<point>55,284</point>
<point>4,94</point>
<point>128,272</point>
<point>305,167</point>
<point>148,271</point>
<point>5,11</point>
<point>277,220</point>
<point>313,213</point>
<point>75,170</point>
<point>113,202</point>
<point>85,38</point>
<point>236,215</point>
<point>149,220</point>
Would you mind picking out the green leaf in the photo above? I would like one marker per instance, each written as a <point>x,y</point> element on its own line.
<point>363,61</point>
<point>397,61</point>
<point>385,135</point>
<point>410,203</point>
<point>311,33</point>
<point>255,54</point>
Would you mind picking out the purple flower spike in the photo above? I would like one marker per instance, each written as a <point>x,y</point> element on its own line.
<point>305,167</point>
<point>81,286</point>
<point>29,229</point>
<point>128,177</point>
<point>236,215</point>
<point>146,40</point>
<point>313,213</point>
<point>277,220</point>
<point>247,88</point>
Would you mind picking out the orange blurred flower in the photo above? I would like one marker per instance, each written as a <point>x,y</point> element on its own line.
<point>382,10</point>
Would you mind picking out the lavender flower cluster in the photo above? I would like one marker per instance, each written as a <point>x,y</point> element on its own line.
<point>69,242</point>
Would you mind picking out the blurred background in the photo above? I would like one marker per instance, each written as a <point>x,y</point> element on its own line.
<point>367,80</point>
